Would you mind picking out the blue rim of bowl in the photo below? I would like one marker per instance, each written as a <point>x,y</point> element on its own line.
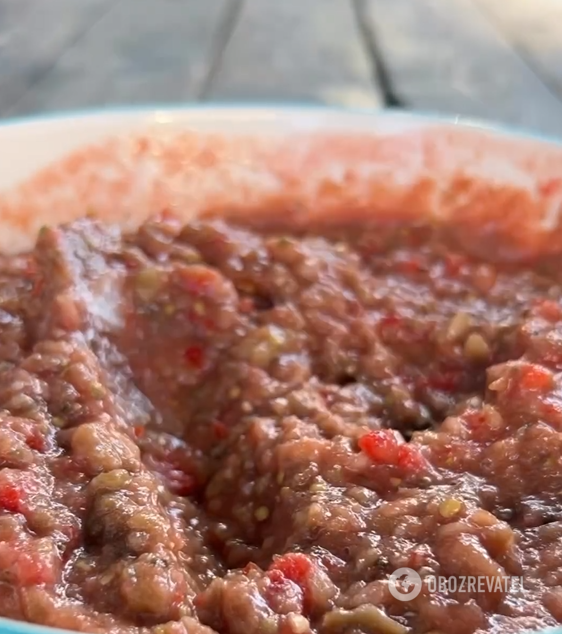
<point>10,626</point>
<point>421,116</point>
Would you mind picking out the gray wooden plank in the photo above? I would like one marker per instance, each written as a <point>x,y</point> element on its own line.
<point>536,28</point>
<point>296,50</point>
<point>34,34</point>
<point>446,56</point>
<point>141,51</point>
<point>10,12</point>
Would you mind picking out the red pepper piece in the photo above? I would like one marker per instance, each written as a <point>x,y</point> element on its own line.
<point>381,446</point>
<point>194,357</point>
<point>384,447</point>
<point>536,378</point>
<point>10,498</point>
<point>294,566</point>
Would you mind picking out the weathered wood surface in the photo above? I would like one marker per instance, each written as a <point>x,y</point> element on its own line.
<point>34,35</point>
<point>534,28</point>
<point>447,56</point>
<point>475,58</point>
<point>140,51</point>
<point>308,50</point>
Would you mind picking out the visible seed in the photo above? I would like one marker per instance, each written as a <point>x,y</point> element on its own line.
<point>261,513</point>
<point>262,345</point>
<point>492,418</point>
<point>247,407</point>
<point>317,487</point>
<point>277,336</point>
<point>279,405</point>
<point>58,422</point>
<point>97,391</point>
<point>269,625</point>
<point>234,392</point>
<point>450,507</point>
<point>106,578</point>
<point>169,309</point>
<point>280,477</point>
<point>187,255</point>
<point>458,326</point>
<point>298,624</point>
<point>395,482</point>
<point>498,385</point>
<point>199,308</point>
<point>476,348</point>
<point>82,565</point>
<point>147,283</point>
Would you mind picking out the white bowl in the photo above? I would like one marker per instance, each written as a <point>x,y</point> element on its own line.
<point>303,162</point>
<point>124,165</point>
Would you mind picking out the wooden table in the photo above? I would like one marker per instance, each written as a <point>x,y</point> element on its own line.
<point>496,59</point>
